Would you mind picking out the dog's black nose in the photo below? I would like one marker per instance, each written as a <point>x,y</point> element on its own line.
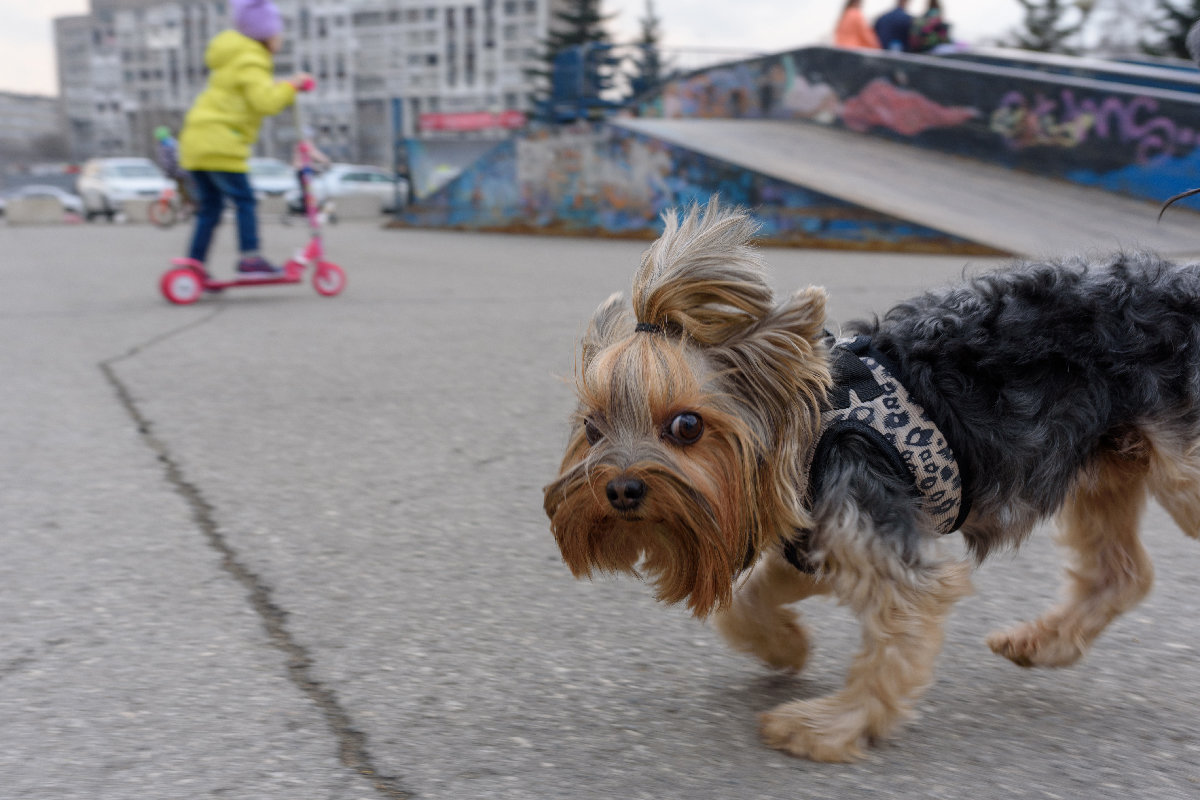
<point>625,494</point>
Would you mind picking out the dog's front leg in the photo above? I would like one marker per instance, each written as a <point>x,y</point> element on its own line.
<point>902,608</point>
<point>759,623</point>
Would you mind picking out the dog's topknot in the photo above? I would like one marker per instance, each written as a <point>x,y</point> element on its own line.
<point>702,275</point>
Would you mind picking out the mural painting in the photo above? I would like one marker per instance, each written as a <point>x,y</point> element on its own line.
<point>1140,141</point>
<point>606,181</point>
<point>1091,131</point>
<point>776,89</point>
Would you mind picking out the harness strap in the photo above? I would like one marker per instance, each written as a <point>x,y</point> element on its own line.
<point>868,399</point>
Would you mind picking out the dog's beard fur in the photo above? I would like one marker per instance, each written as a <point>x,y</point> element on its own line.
<point>753,373</point>
<point>676,540</point>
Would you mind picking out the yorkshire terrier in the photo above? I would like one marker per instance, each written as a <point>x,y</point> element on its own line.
<point>731,452</point>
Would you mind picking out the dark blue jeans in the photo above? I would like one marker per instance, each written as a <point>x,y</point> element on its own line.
<point>211,190</point>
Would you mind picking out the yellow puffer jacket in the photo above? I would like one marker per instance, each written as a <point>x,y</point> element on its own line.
<point>223,123</point>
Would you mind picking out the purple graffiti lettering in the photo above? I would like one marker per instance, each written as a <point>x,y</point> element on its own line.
<point>1156,140</point>
<point>1069,121</point>
<point>1044,106</point>
<point>1155,137</point>
<point>1014,99</point>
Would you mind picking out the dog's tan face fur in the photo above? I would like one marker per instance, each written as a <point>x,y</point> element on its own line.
<point>687,451</point>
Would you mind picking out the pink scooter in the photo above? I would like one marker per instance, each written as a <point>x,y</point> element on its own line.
<point>187,280</point>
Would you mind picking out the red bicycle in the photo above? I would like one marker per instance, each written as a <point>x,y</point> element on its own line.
<point>170,207</point>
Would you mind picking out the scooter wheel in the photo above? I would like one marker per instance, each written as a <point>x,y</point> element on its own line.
<point>181,286</point>
<point>329,279</point>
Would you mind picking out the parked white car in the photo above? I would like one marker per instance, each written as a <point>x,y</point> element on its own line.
<point>72,203</point>
<point>271,177</point>
<point>342,180</point>
<point>106,183</point>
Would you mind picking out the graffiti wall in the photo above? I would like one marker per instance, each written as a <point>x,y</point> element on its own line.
<point>606,181</point>
<point>1138,140</point>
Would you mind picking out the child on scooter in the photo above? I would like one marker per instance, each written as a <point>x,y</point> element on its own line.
<point>307,161</point>
<point>223,124</point>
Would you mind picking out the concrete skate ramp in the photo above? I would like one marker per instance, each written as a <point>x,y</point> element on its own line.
<point>1013,211</point>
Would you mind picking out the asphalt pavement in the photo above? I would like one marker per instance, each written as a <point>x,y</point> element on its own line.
<point>275,545</point>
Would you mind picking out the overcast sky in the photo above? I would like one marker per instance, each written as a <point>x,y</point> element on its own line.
<point>27,40</point>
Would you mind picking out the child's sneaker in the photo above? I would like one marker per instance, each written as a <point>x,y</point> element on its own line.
<point>257,267</point>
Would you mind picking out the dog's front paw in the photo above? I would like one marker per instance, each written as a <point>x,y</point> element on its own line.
<point>1036,644</point>
<point>822,730</point>
<point>776,637</point>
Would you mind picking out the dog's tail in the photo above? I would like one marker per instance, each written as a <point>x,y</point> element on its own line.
<point>1171,200</point>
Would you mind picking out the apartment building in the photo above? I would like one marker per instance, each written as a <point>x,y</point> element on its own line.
<point>90,87</point>
<point>385,69</point>
<point>30,129</point>
<point>440,68</point>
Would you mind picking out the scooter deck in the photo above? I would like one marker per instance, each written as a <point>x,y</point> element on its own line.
<point>216,286</point>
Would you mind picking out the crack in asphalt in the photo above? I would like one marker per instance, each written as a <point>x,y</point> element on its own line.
<point>352,743</point>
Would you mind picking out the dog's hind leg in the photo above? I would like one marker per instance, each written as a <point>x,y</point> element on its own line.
<point>1110,573</point>
<point>1175,481</point>
<point>759,623</point>
<point>902,610</point>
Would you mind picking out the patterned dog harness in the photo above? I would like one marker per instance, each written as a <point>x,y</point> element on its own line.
<point>867,399</point>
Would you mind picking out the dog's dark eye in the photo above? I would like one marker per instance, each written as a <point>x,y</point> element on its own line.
<point>686,428</point>
<point>591,431</point>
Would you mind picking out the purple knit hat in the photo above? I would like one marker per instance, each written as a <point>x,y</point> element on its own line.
<point>258,19</point>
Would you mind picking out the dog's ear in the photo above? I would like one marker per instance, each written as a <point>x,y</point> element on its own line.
<point>702,276</point>
<point>780,360</point>
<point>610,322</point>
<point>803,314</point>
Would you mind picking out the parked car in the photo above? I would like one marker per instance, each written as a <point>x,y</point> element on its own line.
<point>271,177</point>
<point>106,183</point>
<point>71,203</point>
<point>341,180</point>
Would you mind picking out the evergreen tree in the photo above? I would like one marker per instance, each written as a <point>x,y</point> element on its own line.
<point>1171,24</point>
<point>578,24</point>
<point>648,66</point>
<point>1046,30</point>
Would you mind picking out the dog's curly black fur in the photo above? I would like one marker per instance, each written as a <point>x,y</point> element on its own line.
<point>1067,359</point>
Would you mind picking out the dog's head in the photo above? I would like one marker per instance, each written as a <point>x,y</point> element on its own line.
<point>697,407</point>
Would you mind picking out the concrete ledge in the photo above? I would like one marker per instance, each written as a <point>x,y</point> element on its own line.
<point>35,211</point>
<point>136,211</point>
<point>358,206</point>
